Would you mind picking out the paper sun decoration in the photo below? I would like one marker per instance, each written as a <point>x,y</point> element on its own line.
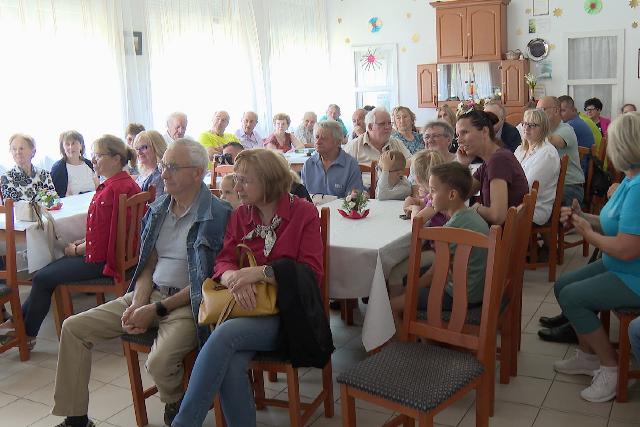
<point>633,3</point>
<point>375,24</point>
<point>593,7</point>
<point>557,12</point>
<point>369,61</point>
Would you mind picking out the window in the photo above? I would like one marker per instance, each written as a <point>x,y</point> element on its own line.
<point>376,77</point>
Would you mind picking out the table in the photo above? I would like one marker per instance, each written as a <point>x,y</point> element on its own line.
<point>70,223</point>
<point>297,158</point>
<point>362,254</point>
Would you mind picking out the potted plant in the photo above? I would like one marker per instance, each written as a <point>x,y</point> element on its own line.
<point>354,205</point>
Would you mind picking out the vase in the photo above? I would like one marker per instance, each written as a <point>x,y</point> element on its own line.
<point>354,214</point>
<point>531,91</point>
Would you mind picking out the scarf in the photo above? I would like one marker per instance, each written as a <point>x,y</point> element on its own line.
<point>266,232</point>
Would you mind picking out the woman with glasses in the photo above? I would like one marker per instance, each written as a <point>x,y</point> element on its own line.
<point>438,135</point>
<point>405,129</point>
<point>73,174</point>
<point>95,256</point>
<point>540,161</point>
<point>23,181</point>
<point>150,147</point>
<point>593,107</point>
<point>275,225</point>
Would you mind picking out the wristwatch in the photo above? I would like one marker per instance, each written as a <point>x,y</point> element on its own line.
<point>161,310</point>
<point>267,272</point>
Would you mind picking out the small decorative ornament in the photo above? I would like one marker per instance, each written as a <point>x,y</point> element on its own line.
<point>369,61</point>
<point>557,12</point>
<point>354,205</point>
<point>415,37</point>
<point>527,11</point>
<point>408,15</point>
<point>339,20</point>
<point>593,7</point>
<point>552,46</point>
<point>403,49</point>
<point>468,106</point>
<point>633,3</point>
<point>634,25</point>
<point>347,40</point>
<point>519,32</point>
<point>375,24</point>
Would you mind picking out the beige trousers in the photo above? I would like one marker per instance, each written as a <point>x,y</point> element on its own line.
<point>176,338</point>
<point>400,270</point>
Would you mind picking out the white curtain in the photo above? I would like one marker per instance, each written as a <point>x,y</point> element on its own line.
<point>62,69</point>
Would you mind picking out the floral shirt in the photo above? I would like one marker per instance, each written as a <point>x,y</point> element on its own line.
<point>413,146</point>
<point>17,185</point>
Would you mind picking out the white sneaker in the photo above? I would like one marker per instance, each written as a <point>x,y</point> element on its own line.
<point>582,363</point>
<point>603,386</point>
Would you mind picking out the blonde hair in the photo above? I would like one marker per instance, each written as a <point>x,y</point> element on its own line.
<point>155,140</point>
<point>539,117</point>
<point>26,138</point>
<point>411,114</point>
<point>282,116</point>
<point>116,147</point>
<point>423,161</point>
<point>450,116</point>
<point>270,170</point>
<point>622,141</point>
<point>399,161</point>
<point>227,178</point>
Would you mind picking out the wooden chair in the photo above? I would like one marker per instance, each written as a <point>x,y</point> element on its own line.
<point>127,252</point>
<point>373,171</point>
<point>564,244</point>
<point>219,170</point>
<point>420,379</point>
<point>625,316</point>
<point>550,229</point>
<point>9,292</point>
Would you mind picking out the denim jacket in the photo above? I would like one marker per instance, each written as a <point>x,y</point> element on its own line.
<point>204,241</point>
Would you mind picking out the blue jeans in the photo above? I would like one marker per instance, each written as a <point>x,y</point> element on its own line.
<point>221,367</point>
<point>64,270</point>
<point>634,338</point>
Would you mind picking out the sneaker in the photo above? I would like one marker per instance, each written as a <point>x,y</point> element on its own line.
<point>65,423</point>
<point>170,411</point>
<point>582,363</point>
<point>603,386</point>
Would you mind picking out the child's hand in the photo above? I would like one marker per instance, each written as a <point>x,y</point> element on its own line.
<point>386,161</point>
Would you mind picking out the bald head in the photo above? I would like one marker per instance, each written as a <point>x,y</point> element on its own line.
<point>551,106</point>
<point>220,122</point>
<point>249,122</point>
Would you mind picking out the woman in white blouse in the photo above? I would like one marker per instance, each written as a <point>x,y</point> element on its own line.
<point>73,174</point>
<point>150,147</point>
<point>540,162</point>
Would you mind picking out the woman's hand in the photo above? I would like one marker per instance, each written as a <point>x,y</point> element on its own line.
<point>245,296</point>
<point>71,250</point>
<point>243,277</point>
<point>566,213</point>
<point>463,157</point>
<point>582,226</point>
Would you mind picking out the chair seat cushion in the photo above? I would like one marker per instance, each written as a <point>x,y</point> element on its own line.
<point>4,290</point>
<point>417,375</point>
<point>104,280</point>
<point>147,338</point>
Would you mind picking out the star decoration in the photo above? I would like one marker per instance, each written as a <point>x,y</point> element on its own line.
<point>415,37</point>
<point>408,15</point>
<point>557,12</point>
<point>347,40</point>
<point>633,3</point>
<point>552,46</point>
<point>635,24</point>
<point>339,20</point>
<point>519,32</point>
<point>403,49</point>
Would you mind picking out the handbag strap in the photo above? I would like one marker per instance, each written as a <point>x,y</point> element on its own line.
<point>226,310</point>
<point>245,252</point>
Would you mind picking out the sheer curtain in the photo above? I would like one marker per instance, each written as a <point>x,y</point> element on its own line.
<point>62,69</point>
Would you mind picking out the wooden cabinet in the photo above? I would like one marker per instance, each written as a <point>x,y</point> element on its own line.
<point>514,88</point>
<point>471,30</point>
<point>427,86</point>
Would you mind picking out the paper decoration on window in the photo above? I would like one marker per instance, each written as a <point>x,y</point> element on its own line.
<point>593,7</point>
<point>339,20</point>
<point>633,3</point>
<point>415,37</point>
<point>369,61</point>
<point>375,24</point>
<point>557,12</point>
<point>634,25</point>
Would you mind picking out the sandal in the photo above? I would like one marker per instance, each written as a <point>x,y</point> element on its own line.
<point>4,339</point>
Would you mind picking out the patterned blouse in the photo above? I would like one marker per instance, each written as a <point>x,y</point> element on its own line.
<point>17,185</point>
<point>413,146</point>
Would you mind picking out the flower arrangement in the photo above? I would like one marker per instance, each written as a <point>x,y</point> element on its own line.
<point>48,198</point>
<point>467,106</point>
<point>354,205</point>
<point>532,81</point>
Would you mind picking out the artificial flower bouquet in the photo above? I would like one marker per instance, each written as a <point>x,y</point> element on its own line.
<point>354,205</point>
<point>49,199</point>
<point>467,106</point>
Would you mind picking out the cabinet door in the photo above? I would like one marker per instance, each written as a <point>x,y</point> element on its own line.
<point>427,86</point>
<point>484,24</point>
<point>514,88</point>
<point>451,30</point>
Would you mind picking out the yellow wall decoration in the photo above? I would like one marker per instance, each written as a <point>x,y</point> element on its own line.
<point>557,12</point>
<point>633,3</point>
<point>415,37</point>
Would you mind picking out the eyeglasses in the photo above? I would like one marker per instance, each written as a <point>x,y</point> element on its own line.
<point>241,180</point>
<point>98,156</point>
<point>530,125</point>
<point>383,124</point>
<point>590,109</point>
<point>428,136</point>
<point>142,148</point>
<point>172,168</point>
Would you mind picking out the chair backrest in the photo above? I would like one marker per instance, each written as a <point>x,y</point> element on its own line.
<point>557,203</point>
<point>325,232</point>
<point>480,340</point>
<point>216,192</point>
<point>9,274</point>
<point>130,213</point>
<point>372,170</point>
<point>219,170</point>
<point>587,152</point>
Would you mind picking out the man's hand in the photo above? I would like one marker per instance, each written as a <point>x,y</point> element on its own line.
<point>139,320</point>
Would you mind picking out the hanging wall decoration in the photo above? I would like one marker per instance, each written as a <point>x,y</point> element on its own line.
<point>593,7</point>
<point>415,37</point>
<point>633,3</point>
<point>339,20</point>
<point>369,61</point>
<point>375,24</point>
<point>634,25</point>
<point>557,12</point>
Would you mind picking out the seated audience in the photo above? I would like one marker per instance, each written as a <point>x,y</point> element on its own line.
<point>505,132</point>
<point>445,113</point>
<point>330,170</point>
<point>593,108</point>
<point>176,127</point>
<point>213,140</point>
<point>357,119</point>
<point>24,180</point>
<point>95,256</point>
<point>405,121</point>
<point>392,184</point>
<point>73,174</point>
<point>133,129</point>
<point>150,147</point>
<point>450,185</point>
<point>304,131</point>
<point>370,145</point>
<point>280,139</point>
<point>586,131</point>
<point>227,193</point>
<point>182,235</point>
<point>613,281</point>
<point>247,134</point>
<point>333,113</point>
<point>540,162</point>
<point>500,179</point>
<point>275,226</point>
<point>627,108</point>
<point>563,137</point>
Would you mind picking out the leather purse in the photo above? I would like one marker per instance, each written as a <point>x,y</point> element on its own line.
<point>218,304</point>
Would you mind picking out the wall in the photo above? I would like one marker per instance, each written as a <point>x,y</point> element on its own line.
<point>347,19</point>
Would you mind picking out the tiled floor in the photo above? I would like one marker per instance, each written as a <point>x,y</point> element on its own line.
<point>538,397</point>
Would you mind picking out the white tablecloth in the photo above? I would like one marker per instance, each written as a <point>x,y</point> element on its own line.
<point>362,254</point>
<point>70,223</point>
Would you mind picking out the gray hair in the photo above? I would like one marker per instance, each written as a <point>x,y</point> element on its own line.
<point>310,113</point>
<point>197,153</point>
<point>333,106</point>
<point>176,115</point>
<point>622,145</point>
<point>499,106</point>
<point>370,118</point>
<point>447,130</point>
<point>330,125</point>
